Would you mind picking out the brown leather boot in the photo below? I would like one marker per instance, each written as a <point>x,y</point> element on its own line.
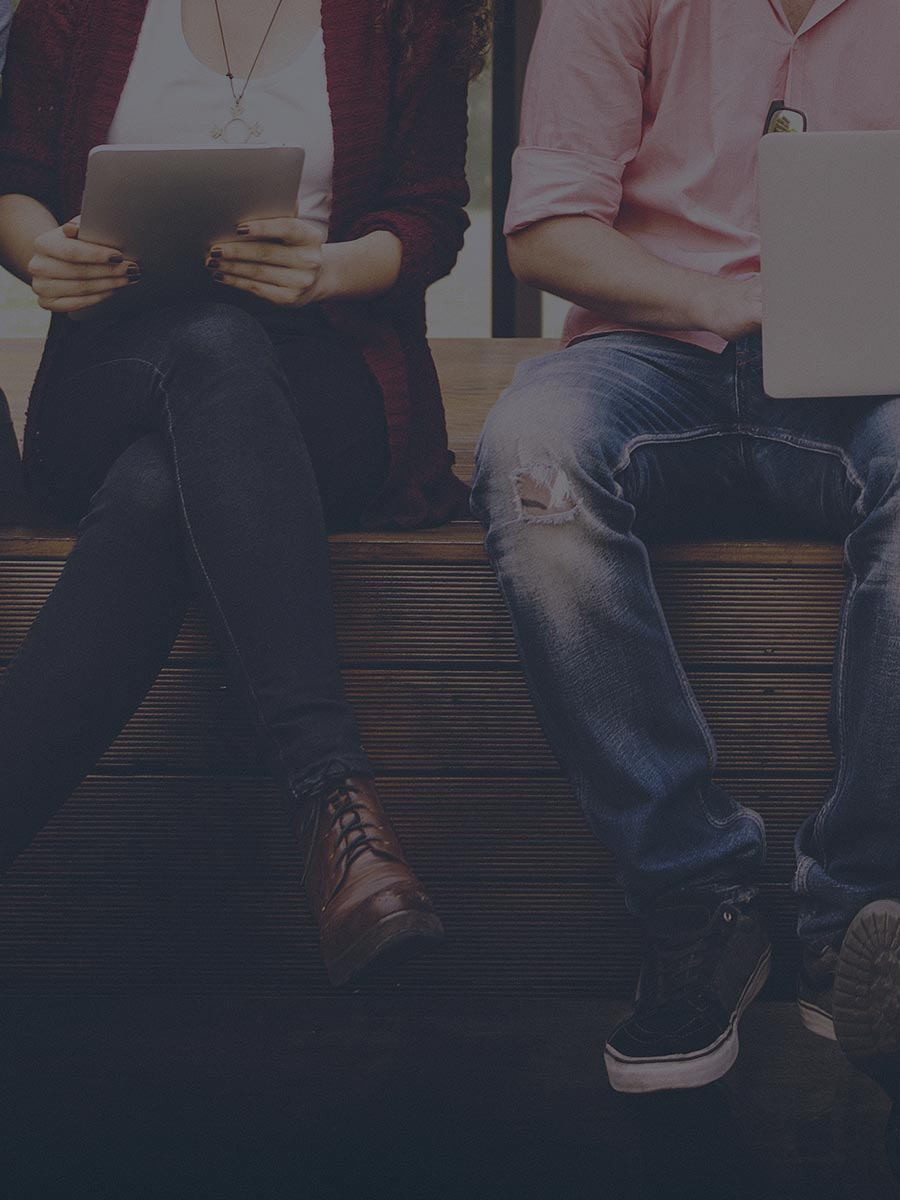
<point>364,896</point>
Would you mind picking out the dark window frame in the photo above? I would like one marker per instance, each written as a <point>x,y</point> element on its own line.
<point>515,309</point>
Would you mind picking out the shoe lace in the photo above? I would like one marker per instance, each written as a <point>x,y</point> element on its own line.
<point>343,801</point>
<point>680,968</point>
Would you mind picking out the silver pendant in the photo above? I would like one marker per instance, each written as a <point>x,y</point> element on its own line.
<point>237,131</point>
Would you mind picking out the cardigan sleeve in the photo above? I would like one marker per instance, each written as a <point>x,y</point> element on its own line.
<point>34,83</point>
<point>425,192</point>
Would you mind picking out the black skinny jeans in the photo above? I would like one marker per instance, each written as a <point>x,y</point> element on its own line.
<point>202,448</point>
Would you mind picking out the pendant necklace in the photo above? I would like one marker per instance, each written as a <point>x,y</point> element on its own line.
<point>237,130</point>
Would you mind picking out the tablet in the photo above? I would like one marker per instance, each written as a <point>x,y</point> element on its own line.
<point>164,206</point>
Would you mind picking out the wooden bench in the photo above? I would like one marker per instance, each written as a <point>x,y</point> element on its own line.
<point>171,870</point>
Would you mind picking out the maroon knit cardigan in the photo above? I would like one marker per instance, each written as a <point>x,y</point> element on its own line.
<point>399,150</point>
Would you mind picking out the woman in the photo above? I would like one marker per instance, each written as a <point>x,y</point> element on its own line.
<point>205,447</point>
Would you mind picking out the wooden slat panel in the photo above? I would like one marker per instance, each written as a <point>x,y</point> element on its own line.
<point>462,542</point>
<point>249,938</point>
<point>451,722</point>
<point>452,613</point>
<point>480,829</point>
<point>464,722</point>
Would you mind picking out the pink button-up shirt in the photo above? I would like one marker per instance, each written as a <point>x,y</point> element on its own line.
<point>646,114</point>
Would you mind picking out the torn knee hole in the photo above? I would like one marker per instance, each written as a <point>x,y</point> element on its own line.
<point>544,493</point>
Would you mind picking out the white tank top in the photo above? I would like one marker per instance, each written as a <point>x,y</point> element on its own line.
<point>171,97</point>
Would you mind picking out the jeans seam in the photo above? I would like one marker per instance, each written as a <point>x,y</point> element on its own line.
<point>108,362</point>
<point>680,674</point>
<point>706,431</point>
<point>807,444</point>
<point>742,444</point>
<point>252,690</point>
<point>647,439</point>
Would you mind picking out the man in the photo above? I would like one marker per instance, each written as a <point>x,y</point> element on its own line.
<point>634,197</point>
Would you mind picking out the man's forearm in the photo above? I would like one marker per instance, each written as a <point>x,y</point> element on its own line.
<point>598,268</point>
<point>22,219</point>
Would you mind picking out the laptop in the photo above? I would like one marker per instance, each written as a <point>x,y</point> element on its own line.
<point>830,232</point>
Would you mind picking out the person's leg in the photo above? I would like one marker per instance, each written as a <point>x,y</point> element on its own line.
<point>586,443</point>
<point>582,441</point>
<point>97,644</point>
<point>207,379</point>
<point>832,468</point>
<point>251,532</point>
<point>849,851</point>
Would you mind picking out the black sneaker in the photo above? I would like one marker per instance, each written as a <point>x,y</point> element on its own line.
<point>815,987</point>
<point>867,993</point>
<point>706,960</point>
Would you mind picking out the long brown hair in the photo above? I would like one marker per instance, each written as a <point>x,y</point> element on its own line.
<point>472,24</point>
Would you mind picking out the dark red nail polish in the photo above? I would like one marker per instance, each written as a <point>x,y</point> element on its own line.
<point>218,276</point>
<point>215,253</point>
<point>242,229</point>
<point>115,259</point>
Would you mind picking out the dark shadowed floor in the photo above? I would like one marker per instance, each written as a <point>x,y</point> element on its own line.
<point>389,1097</point>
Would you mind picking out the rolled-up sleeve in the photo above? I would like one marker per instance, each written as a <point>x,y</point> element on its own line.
<point>582,111</point>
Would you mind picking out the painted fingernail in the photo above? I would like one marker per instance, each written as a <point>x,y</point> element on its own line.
<point>115,259</point>
<point>133,272</point>
<point>134,278</point>
<point>218,276</point>
<point>242,229</point>
<point>215,252</point>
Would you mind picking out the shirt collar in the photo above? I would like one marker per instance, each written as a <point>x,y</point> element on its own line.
<point>819,11</point>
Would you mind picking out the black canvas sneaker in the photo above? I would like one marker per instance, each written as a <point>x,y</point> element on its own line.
<point>706,959</point>
<point>815,987</point>
<point>867,993</point>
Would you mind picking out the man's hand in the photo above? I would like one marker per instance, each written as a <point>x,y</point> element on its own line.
<point>732,308</point>
<point>280,260</point>
<point>68,274</point>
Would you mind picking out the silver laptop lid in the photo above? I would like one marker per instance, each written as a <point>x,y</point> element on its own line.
<point>830,231</point>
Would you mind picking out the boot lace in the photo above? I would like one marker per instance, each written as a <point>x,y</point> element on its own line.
<point>343,801</point>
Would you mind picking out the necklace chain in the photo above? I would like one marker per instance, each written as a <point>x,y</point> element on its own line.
<point>228,71</point>
<point>237,129</point>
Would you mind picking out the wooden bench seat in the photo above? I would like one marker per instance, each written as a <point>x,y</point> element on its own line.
<point>170,869</point>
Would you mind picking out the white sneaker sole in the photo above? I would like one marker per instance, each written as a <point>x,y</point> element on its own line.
<point>816,1020</point>
<point>677,1071</point>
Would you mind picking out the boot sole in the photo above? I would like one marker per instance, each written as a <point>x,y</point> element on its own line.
<point>395,938</point>
<point>867,992</point>
<point>677,1071</point>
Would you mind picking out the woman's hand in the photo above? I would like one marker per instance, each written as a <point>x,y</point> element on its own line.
<point>68,274</point>
<point>280,260</point>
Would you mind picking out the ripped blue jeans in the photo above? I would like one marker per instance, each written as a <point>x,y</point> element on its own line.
<point>594,448</point>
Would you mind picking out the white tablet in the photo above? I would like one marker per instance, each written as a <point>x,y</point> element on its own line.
<point>164,206</point>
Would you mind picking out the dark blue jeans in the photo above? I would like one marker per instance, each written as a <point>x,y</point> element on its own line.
<point>595,446</point>
<point>202,448</point>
